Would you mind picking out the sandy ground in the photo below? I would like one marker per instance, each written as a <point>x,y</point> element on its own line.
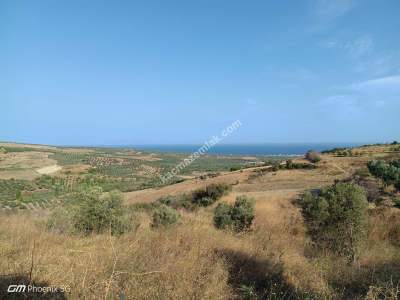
<point>23,165</point>
<point>49,169</point>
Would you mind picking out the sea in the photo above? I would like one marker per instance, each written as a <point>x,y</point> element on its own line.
<point>275,149</point>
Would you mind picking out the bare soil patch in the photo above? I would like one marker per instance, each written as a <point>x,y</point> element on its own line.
<point>49,169</point>
<point>23,165</point>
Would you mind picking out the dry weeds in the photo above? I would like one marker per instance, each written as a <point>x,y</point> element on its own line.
<point>193,260</point>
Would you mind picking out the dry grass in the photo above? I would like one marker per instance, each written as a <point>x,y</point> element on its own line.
<point>190,261</point>
<point>193,260</point>
<point>148,264</point>
<point>23,165</point>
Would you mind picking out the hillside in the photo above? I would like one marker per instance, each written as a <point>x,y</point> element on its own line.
<point>191,259</point>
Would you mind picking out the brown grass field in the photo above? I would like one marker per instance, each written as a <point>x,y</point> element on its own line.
<point>193,260</point>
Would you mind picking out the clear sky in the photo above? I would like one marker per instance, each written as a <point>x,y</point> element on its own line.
<point>139,72</point>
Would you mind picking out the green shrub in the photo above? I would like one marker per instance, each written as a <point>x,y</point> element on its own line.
<point>235,168</point>
<point>238,217</point>
<point>313,156</point>
<point>222,216</point>
<point>210,194</point>
<point>185,201</point>
<point>389,173</point>
<point>377,168</point>
<point>206,201</point>
<point>395,163</point>
<point>167,200</point>
<point>294,165</point>
<point>201,197</point>
<point>337,151</point>
<point>242,213</point>
<point>165,216</point>
<point>180,201</point>
<point>335,218</point>
<point>97,212</point>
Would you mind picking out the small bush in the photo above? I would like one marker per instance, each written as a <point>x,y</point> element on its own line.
<point>235,168</point>
<point>210,194</point>
<point>335,218</point>
<point>333,151</point>
<point>181,201</point>
<point>371,186</point>
<point>344,153</point>
<point>201,197</point>
<point>242,213</point>
<point>216,191</point>
<point>90,211</point>
<point>389,173</point>
<point>238,217</point>
<point>206,201</point>
<point>168,200</point>
<point>96,212</point>
<point>222,216</point>
<point>185,201</point>
<point>313,156</point>
<point>395,163</point>
<point>290,165</point>
<point>165,216</point>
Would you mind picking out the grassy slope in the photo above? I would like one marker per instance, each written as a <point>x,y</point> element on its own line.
<point>195,261</point>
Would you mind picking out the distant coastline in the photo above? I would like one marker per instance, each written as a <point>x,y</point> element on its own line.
<point>276,149</point>
<point>270,149</point>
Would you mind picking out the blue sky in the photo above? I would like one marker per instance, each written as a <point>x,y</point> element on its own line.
<point>151,72</point>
